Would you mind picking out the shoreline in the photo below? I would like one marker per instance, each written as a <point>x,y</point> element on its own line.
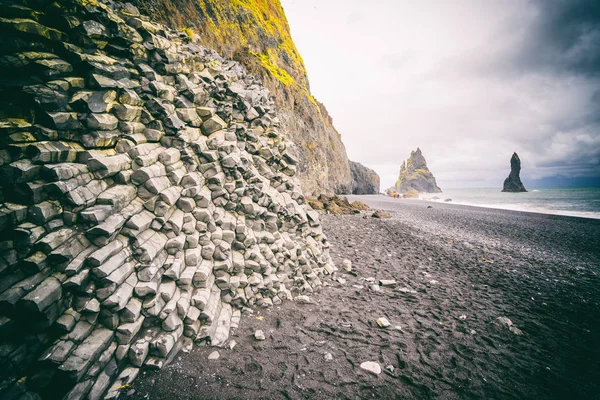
<point>462,272</point>
<point>574,214</point>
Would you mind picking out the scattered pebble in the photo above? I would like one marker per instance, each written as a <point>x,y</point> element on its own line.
<point>232,344</point>
<point>303,299</point>
<point>462,317</point>
<point>387,282</point>
<point>214,355</point>
<point>383,322</point>
<point>407,290</point>
<point>259,335</point>
<point>375,288</point>
<point>328,357</point>
<point>341,280</point>
<point>509,324</point>
<point>371,367</point>
<point>347,265</point>
<point>398,327</point>
<point>390,368</point>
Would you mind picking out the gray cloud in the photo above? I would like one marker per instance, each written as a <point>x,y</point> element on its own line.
<point>565,37</point>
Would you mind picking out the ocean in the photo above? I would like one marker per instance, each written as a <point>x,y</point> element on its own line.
<point>578,202</point>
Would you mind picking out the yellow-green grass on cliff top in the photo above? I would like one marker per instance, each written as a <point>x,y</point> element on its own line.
<point>254,32</point>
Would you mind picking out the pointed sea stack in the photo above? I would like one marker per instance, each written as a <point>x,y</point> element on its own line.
<point>415,176</point>
<point>513,182</point>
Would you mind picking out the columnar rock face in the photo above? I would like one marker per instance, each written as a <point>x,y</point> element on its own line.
<point>513,182</point>
<point>147,198</point>
<point>364,180</point>
<point>256,33</point>
<point>415,176</point>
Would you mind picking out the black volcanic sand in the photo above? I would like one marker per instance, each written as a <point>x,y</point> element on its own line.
<point>468,267</point>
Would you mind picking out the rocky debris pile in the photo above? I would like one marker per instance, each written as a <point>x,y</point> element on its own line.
<point>364,180</point>
<point>414,178</point>
<point>336,205</point>
<point>147,198</point>
<point>513,182</point>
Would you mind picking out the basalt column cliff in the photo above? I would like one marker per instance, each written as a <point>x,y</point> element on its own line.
<point>256,33</point>
<point>147,198</point>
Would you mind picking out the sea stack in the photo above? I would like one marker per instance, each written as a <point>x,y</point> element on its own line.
<point>513,182</point>
<point>415,176</point>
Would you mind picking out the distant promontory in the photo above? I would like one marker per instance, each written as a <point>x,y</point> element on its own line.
<point>513,182</point>
<point>415,176</point>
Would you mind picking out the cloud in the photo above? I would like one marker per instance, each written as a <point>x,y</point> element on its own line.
<point>565,37</point>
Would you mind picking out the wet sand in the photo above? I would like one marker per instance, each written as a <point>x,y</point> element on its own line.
<point>458,269</point>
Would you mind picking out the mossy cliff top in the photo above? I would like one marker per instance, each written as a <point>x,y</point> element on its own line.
<point>256,33</point>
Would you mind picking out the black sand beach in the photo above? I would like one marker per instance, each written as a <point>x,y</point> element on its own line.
<point>458,269</point>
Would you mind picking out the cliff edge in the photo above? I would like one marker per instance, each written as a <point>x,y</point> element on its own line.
<point>364,179</point>
<point>256,33</point>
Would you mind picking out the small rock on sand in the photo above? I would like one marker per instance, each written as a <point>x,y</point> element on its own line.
<point>387,282</point>
<point>371,367</point>
<point>259,335</point>
<point>328,356</point>
<point>303,299</point>
<point>383,322</point>
<point>509,324</point>
<point>347,265</point>
<point>381,214</point>
<point>232,344</point>
<point>407,290</point>
<point>214,355</point>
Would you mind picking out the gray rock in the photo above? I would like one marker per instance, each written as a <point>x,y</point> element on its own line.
<point>372,367</point>
<point>259,335</point>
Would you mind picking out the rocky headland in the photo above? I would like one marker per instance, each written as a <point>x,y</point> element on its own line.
<point>364,179</point>
<point>513,182</point>
<point>415,177</point>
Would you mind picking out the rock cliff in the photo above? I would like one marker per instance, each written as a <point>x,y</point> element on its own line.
<point>513,182</point>
<point>256,33</point>
<point>364,180</point>
<point>415,176</point>
<point>147,197</point>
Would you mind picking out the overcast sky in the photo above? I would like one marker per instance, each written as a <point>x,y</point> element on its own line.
<point>467,81</point>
